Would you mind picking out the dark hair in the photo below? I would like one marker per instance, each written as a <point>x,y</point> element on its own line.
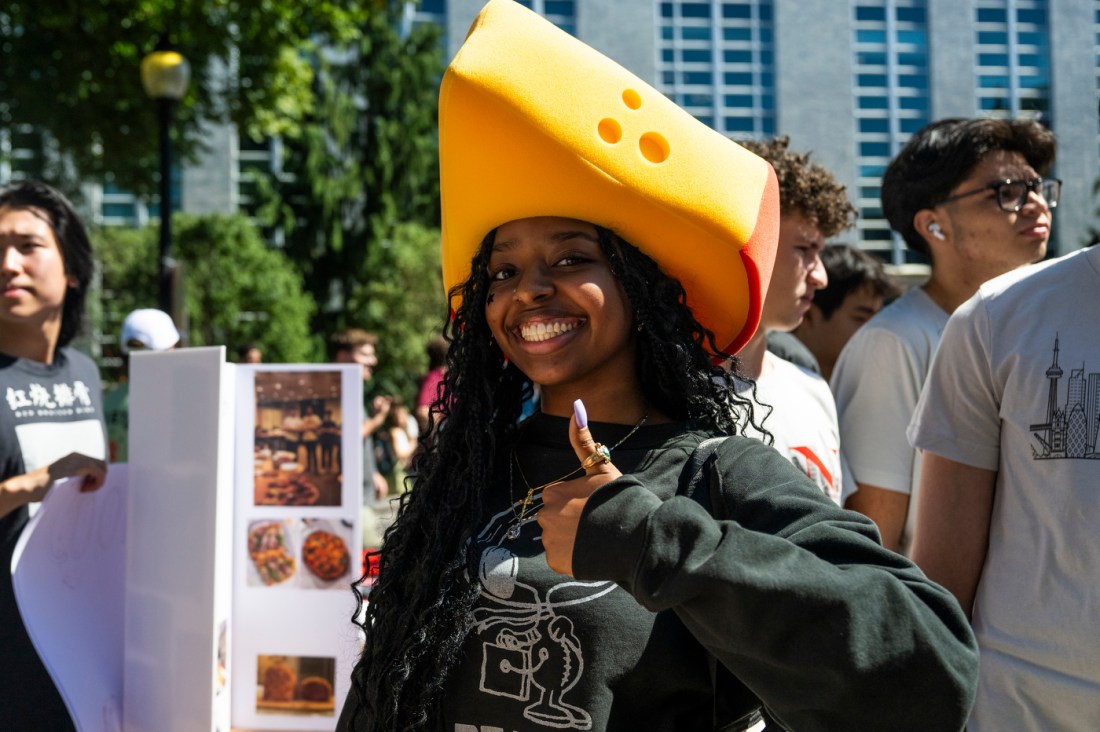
<point>243,350</point>
<point>806,188</point>
<point>850,269</point>
<point>941,155</point>
<point>422,602</point>
<point>351,339</point>
<point>437,351</point>
<point>76,248</point>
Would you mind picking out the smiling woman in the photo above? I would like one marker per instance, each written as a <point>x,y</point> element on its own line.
<point>560,316</point>
<point>603,564</point>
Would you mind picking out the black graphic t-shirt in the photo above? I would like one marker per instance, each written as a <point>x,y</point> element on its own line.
<point>551,652</point>
<point>791,593</point>
<point>46,412</point>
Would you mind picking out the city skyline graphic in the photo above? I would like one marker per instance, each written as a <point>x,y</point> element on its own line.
<point>1070,430</point>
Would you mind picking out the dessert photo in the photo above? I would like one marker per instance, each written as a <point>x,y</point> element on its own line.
<point>300,685</point>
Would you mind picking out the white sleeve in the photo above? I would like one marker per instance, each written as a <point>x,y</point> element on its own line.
<point>876,386</point>
<point>958,416</point>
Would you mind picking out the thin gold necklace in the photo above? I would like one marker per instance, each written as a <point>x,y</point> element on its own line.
<point>517,523</point>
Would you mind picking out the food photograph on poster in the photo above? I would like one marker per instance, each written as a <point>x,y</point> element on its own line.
<point>305,554</point>
<point>271,549</point>
<point>297,438</point>
<point>326,554</point>
<point>295,685</point>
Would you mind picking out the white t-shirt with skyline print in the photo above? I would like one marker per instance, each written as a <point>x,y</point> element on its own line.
<point>1015,388</point>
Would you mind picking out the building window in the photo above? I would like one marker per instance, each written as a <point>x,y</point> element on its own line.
<point>22,153</point>
<point>715,59</point>
<point>562,13</point>
<point>1012,49</point>
<point>118,207</point>
<point>1096,26</point>
<point>890,49</point>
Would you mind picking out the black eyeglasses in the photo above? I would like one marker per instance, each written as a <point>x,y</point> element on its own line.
<point>1012,194</point>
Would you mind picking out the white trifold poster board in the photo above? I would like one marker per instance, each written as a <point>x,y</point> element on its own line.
<point>214,571</point>
<point>179,534</point>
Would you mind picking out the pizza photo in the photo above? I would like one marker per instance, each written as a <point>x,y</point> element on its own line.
<point>326,555</point>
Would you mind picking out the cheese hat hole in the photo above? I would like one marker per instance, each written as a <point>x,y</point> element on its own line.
<point>610,130</point>
<point>632,98</point>
<point>654,147</point>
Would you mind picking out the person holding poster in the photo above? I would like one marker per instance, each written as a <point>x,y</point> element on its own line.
<point>51,419</point>
<point>604,564</point>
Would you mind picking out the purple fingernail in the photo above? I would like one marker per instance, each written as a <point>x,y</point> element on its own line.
<point>580,413</point>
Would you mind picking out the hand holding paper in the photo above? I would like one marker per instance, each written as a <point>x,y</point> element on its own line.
<point>31,487</point>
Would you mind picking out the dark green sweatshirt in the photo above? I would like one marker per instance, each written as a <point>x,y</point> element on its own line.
<point>794,595</point>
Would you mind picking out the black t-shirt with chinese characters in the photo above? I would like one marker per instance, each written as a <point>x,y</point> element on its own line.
<point>46,412</point>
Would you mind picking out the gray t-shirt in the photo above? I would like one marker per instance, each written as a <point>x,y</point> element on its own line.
<point>48,411</point>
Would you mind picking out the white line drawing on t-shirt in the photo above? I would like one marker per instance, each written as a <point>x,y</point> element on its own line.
<point>530,652</point>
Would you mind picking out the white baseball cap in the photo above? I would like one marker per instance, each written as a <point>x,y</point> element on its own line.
<point>148,329</point>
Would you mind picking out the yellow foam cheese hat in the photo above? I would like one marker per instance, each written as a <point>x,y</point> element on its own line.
<point>532,122</point>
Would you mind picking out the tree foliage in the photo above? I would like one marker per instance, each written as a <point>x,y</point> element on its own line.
<point>71,68</point>
<point>351,92</point>
<point>364,162</point>
<point>237,289</point>
<point>405,308</point>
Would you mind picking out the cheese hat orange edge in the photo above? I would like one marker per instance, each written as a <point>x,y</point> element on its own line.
<point>532,122</point>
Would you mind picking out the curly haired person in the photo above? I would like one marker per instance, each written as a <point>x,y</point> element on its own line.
<point>799,408</point>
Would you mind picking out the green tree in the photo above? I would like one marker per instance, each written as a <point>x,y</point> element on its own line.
<point>237,290</point>
<point>405,308</point>
<point>365,162</point>
<point>127,281</point>
<point>72,69</point>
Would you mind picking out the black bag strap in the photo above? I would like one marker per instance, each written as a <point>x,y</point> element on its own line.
<point>695,473</point>
<point>712,501</point>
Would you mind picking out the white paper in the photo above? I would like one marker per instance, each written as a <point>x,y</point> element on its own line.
<point>69,573</point>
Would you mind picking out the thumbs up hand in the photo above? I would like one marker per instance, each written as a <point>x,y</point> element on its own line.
<point>563,503</point>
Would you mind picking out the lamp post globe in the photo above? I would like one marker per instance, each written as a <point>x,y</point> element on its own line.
<point>165,75</point>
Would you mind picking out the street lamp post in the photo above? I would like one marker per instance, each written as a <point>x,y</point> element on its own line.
<point>165,75</point>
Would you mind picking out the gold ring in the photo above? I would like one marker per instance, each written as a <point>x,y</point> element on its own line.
<point>601,455</point>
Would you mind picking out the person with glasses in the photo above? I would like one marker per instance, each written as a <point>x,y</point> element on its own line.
<point>1008,511</point>
<point>973,196</point>
<point>1013,195</point>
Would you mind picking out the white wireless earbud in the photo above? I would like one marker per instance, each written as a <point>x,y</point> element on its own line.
<point>935,230</point>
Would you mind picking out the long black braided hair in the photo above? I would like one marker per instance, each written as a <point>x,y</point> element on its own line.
<point>421,605</point>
